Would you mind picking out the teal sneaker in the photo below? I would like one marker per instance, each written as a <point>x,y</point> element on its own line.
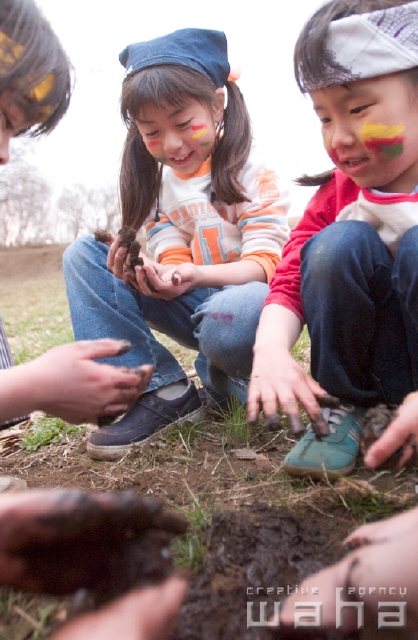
<point>332,455</point>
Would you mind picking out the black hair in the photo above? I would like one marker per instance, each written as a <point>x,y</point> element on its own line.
<point>33,65</point>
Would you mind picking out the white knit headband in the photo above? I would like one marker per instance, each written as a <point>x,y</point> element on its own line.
<point>370,45</point>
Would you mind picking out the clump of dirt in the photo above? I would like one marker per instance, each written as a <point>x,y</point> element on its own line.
<point>101,235</point>
<point>128,235</point>
<point>128,239</point>
<point>255,556</point>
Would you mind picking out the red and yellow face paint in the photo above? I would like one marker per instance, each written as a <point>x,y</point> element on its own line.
<point>152,146</point>
<point>386,139</point>
<point>200,130</point>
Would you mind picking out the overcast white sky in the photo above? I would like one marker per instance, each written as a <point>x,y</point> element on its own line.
<point>86,145</point>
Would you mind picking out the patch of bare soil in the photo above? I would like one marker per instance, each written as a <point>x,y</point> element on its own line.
<point>261,528</point>
<point>30,262</point>
<point>264,529</point>
<point>255,555</point>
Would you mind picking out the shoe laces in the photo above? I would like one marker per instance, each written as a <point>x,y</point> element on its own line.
<point>336,416</point>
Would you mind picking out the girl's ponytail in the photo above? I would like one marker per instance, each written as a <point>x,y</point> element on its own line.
<point>138,180</point>
<point>316,180</point>
<point>232,148</point>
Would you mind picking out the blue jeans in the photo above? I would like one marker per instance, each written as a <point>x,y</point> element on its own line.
<point>218,323</point>
<point>361,308</point>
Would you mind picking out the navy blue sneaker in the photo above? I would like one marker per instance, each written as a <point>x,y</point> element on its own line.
<point>150,416</point>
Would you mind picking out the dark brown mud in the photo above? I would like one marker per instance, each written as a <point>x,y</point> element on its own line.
<point>254,557</point>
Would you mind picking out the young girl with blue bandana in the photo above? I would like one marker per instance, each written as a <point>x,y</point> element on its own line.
<point>350,268</point>
<point>215,219</point>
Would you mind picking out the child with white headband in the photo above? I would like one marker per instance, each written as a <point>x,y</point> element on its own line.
<point>350,268</point>
<point>215,219</point>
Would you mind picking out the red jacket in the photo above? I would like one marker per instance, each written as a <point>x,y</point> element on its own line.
<point>321,211</point>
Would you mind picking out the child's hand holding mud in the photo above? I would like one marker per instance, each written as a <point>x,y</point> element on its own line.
<point>144,372</point>
<point>68,383</point>
<point>124,256</point>
<point>178,280</point>
<point>119,250</point>
<point>396,444</point>
<point>59,541</point>
<point>166,281</point>
<point>161,281</point>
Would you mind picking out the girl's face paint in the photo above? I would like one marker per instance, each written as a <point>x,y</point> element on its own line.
<point>180,138</point>
<point>200,131</point>
<point>155,148</point>
<point>388,139</point>
<point>370,131</point>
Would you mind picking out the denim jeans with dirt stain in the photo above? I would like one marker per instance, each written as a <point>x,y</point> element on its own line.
<point>361,308</point>
<point>218,323</point>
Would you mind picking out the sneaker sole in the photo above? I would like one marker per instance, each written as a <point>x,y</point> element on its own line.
<point>116,452</point>
<point>317,474</point>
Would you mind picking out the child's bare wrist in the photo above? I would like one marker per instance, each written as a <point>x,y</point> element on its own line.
<point>267,346</point>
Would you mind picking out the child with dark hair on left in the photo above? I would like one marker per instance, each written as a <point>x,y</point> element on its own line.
<point>35,92</point>
<point>215,218</point>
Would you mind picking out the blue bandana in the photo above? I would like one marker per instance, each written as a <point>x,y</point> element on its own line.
<point>203,50</point>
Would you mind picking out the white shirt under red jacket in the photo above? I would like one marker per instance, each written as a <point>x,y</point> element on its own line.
<point>391,214</point>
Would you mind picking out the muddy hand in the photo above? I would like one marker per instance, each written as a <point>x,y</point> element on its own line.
<point>128,235</point>
<point>176,278</point>
<point>144,372</point>
<point>319,425</point>
<point>273,422</point>
<point>374,424</point>
<point>60,541</point>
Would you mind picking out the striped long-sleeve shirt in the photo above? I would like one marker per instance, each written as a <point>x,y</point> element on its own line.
<point>191,228</point>
<point>6,361</point>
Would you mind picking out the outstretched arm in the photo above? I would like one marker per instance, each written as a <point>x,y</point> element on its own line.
<point>179,279</point>
<point>68,383</point>
<point>276,378</point>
